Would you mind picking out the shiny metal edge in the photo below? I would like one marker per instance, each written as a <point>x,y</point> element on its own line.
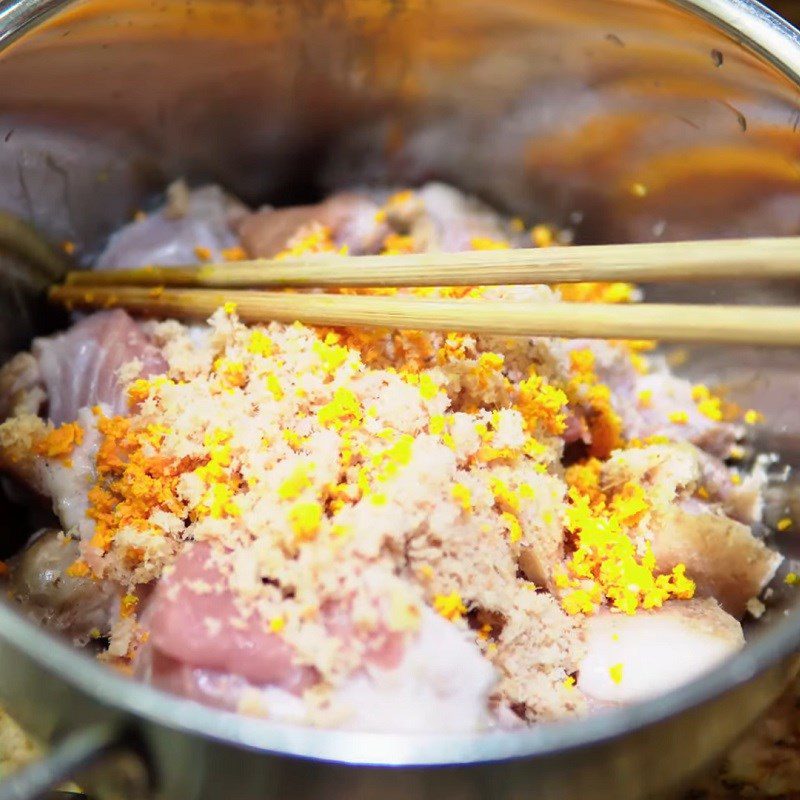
<point>756,27</point>
<point>19,16</point>
<point>778,43</point>
<point>172,712</point>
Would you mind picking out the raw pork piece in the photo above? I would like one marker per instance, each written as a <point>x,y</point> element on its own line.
<point>418,695</point>
<point>192,220</point>
<point>449,220</point>
<point>223,690</point>
<point>436,216</point>
<point>351,217</point>
<point>65,483</point>
<point>79,608</point>
<point>667,394</point>
<point>200,647</point>
<point>721,555</point>
<point>633,658</point>
<point>193,621</point>
<point>81,367</point>
<point>71,372</point>
<point>670,394</point>
<point>680,468</point>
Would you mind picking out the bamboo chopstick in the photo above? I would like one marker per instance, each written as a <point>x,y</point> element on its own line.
<point>731,259</point>
<point>760,325</point>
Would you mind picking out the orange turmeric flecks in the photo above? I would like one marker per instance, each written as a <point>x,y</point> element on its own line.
<point>314,238</point>
<point>130,484</point>
<point>128,605</point>
<point>450,606</point>
<point>586,391</point>
<point>596,292</point>
<point>606,565</point>
<point>60,442</point>
<point>542,404</point>
<point>305,519</point>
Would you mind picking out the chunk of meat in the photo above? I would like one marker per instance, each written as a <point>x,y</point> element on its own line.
<point>354,220</point>
<point>21,390</point>
<point>670,395</point>
<point>194,621</point>
<point>65,483</point>
<point>743,500</point>
<point>351,217</point>
<point>630,658</point>
<point>669,471</point>
<point>436,216</point>
<point>420,694</point>
<point>71,606</point>
<point>665,470</point>
<point>721,555</point>
<point>217,688</point>
<point>417,695</point>
<point>446,219</point>
<point>266,232</point>
<point>191,221</point>
<point>80,367</point>
<point>667,395</point>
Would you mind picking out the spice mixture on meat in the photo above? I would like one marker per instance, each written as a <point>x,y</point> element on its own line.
<point>376,529</point>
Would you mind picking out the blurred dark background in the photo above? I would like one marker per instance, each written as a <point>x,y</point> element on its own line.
<point>790,9</point>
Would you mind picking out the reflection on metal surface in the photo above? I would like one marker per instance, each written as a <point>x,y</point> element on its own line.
<point>628,120</point>
<point>122,776</point>
<point>17,16</point>
<point>632,120</point>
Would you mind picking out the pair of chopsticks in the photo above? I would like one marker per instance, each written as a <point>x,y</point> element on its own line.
<point>196,292</point>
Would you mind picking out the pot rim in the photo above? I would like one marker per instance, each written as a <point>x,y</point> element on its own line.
<point>117,693</point>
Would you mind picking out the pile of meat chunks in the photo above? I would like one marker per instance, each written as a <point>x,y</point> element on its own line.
<point>65,375</point>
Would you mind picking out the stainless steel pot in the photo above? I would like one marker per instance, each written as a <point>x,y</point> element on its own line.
<point>626,119</point>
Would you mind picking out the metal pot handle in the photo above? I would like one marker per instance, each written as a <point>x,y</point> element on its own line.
<point>81,751</point>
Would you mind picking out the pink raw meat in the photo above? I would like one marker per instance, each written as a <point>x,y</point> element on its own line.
<point>201,647</point>
<point>451,220</point>
<point>383,649</point>
<point>189,222</point>
<point>350,216</point>
<point>193,620</point>
<point>80,367</point>
<point>668,394</point>
<point>207,686</point>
